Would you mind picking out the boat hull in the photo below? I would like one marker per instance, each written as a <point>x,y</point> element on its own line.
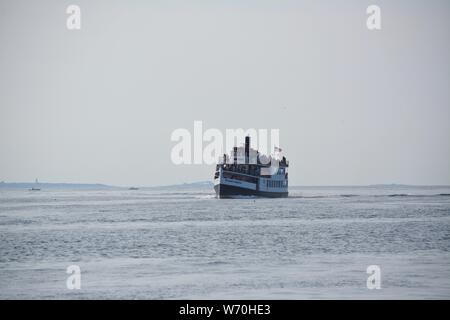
<point>227,191</point>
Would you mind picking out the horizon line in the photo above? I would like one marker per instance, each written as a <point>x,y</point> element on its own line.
<point>209,181</point>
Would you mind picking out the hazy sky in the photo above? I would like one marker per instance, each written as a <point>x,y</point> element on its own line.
<point>99,105</point>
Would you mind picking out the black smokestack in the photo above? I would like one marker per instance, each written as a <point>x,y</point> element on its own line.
<point>235,155</point>
<point>247,149</point>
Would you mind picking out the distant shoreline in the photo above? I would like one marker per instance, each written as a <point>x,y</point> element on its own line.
<point>93,186</point>
<point>49,185</point>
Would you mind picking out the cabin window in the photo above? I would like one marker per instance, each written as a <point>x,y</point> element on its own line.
<point>239,177</point>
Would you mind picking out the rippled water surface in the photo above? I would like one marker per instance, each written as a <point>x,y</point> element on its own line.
<point>175,243</point>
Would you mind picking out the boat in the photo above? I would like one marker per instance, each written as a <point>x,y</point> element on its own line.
<point>37,186</point>
<point>247,173</point>
<point>133,188</point>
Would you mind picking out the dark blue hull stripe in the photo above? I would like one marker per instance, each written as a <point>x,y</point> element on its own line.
<point>227,191</point>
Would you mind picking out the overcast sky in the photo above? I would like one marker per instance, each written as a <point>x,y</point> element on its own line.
<point>353,106</point>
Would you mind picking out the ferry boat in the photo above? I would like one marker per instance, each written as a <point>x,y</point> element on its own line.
<point>250,174</point>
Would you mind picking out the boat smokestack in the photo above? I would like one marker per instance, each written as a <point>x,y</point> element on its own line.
<point>247,149</point>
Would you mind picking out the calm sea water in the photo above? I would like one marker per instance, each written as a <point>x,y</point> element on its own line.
<point>177,244</point>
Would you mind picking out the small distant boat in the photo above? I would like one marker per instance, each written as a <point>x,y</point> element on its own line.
<point>133,188</point>
<point>37,186</point>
